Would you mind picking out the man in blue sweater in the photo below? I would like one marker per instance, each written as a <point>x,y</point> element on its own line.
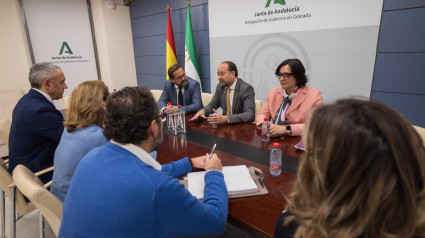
<point>118,190</point>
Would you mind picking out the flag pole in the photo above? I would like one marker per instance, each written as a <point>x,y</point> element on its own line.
<point>170,54</point>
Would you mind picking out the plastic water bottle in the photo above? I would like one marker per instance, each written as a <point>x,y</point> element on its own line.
<point>168,108</point>
<point>265,130</point>
<point>275,160</point>
<point>180,116</point>
<point>170,119</point>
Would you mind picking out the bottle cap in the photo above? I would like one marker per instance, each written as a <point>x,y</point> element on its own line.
<point>179,106</point>
<point>276,145</point>
<point>266,119</point>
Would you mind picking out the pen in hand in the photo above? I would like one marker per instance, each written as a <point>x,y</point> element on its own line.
<point>212,151</point>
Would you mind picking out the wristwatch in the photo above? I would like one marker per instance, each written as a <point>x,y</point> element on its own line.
<point>288,130</point>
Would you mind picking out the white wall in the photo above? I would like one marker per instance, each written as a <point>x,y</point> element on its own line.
<point>114,44</point>
<point>335,44</point>
<point>15,59</point>
<point>113,39</point>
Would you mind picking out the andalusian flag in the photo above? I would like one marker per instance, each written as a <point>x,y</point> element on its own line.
<point>191,63</point>
<point>171,48</point>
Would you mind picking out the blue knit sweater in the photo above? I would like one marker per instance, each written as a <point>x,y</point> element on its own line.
<point>73,146</point>
<point>115,194</point>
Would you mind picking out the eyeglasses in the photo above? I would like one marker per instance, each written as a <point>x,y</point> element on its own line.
<point>163,117</point>
<point>180,77</point>
<point>284,75</point>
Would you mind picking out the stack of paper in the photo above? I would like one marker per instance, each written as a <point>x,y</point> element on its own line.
<point>237,178</point>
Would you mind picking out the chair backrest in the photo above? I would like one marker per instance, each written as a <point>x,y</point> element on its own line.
<point>22,205</point>
<point>4,131</point>
<point>156,94</point>
<point>258,105</point>
<point>206,98</point>
<point>8,100</point>
<point>4,137</point>
<point>65,101</point>
<point>421,132</point>
<point>31,186</point>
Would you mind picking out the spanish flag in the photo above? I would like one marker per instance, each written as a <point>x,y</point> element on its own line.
<point>171,48</point>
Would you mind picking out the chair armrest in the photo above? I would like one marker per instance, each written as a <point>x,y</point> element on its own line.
<point>48,184</point>
<point>5,163</point>
<point>41,172</point>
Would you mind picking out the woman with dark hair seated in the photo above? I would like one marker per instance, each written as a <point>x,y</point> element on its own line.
<point>362,175</point>
<point>289,104</point>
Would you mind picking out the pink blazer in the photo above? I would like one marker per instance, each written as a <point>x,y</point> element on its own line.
<point>306,99</point>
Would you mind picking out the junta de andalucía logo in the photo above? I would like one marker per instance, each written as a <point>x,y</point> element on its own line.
<point>67,50</point>
<point>281,2</point>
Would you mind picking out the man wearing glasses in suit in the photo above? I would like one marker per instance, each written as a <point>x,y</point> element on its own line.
<point>180,90</point>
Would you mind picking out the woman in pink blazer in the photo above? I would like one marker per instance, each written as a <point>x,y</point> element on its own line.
<point>289,104</point>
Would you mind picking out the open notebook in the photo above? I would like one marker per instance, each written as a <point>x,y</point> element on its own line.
<point>237,178</point>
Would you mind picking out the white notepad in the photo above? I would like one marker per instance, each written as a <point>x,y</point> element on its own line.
<point>237,178</point>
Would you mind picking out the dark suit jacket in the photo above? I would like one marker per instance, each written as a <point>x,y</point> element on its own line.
<point>191,96</point>
<point>243,107</point>
<point>36,129</point>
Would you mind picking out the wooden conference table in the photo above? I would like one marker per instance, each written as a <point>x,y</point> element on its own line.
<point>236,145</point>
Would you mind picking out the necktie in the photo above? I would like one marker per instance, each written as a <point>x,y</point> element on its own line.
<point>180,97</point>
<point>228,102</point>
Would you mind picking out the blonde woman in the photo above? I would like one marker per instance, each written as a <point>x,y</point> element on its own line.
<point>83,132</point>
<point>363,175</point>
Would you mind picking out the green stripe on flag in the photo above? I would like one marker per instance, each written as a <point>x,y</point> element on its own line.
<point>190,52</point>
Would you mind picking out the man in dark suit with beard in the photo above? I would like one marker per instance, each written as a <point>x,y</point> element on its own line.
<point>233,95</point>
<point>181,90</point>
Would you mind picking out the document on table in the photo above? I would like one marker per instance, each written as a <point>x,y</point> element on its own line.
<point>237,178</point>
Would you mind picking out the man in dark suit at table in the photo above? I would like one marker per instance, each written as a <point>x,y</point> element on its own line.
<point>233,95</point>
<point>37,125</point>
<point>181,90</point>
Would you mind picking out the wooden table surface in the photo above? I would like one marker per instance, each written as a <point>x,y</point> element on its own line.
<point>246,133</point>
<point>236,145</point>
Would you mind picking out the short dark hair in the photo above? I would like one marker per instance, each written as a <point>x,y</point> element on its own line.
<point>129,114</point>
<point>172,69</point>
<point>231,67</point>
<point>298,71</point>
